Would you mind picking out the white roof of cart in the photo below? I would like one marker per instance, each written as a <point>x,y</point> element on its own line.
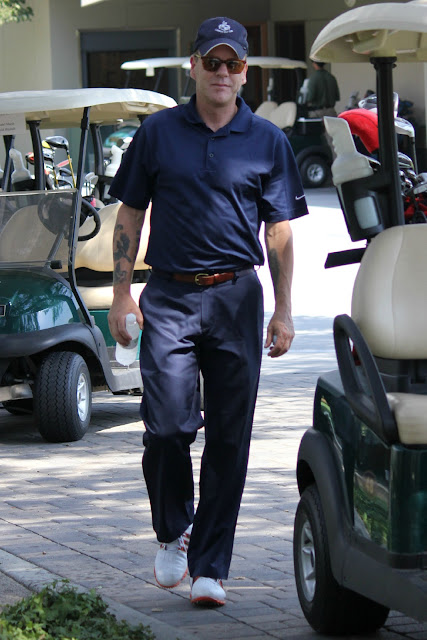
<point>265,62</point>
<point>389,29</point>
<point>151,64</point>
<point>269,62</point>
<point>274,62</point>
<point>63,107</point>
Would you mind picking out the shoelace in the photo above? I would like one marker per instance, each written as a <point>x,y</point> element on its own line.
<point>181,544</point>
<point>217,580</point>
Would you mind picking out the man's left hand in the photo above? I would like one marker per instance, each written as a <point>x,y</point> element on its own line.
<point>280,334</point>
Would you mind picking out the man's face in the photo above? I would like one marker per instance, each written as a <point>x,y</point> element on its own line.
<point>217,88</point>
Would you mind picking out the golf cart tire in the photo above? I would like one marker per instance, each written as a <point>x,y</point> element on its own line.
<point>63,397</point>
<point>328,607</point>
<point>314,171</point>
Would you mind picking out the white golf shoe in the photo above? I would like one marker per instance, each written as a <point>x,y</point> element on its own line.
<point>207,592</point>
<point>170,566</point>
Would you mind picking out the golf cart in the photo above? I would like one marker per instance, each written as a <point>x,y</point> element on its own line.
<point>156,67</point>
<point>56,264</point>
<point>360,533</point>
<point>306,135</point>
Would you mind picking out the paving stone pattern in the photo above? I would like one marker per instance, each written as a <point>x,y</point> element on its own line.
<point>80,511</point>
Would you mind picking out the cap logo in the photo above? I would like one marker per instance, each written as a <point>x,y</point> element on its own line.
<point>224,27</point>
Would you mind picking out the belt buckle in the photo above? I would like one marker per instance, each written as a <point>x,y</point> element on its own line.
<point>200,275</point>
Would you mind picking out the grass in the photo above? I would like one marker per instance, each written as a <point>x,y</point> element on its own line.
<point>60,612</point>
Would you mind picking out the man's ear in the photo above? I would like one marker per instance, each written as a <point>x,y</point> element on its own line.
<point>244,74</point>
<point>193,64</point>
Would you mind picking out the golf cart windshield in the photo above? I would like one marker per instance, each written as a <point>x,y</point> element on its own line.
<point>35,228</point>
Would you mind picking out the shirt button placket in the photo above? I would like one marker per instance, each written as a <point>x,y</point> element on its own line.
<point>211,154</point>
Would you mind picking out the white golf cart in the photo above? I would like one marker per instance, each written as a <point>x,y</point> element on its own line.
<point>360,534</point>
<point>56,264</point>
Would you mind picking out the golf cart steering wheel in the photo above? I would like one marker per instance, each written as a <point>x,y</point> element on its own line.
<point>48,213</point>
<point>88,211</point>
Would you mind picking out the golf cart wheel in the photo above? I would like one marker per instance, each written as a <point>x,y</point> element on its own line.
<point>314,171</point>
<point>19,407</point>
<point>63,397</point>
<point>328,607</point>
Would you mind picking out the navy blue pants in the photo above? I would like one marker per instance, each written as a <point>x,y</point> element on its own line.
<point>217,330</point>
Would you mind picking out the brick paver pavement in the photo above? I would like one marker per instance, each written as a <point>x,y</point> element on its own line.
<point>80,511</point>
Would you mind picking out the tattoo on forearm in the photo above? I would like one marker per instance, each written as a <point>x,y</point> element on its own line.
<point>122,248</point>
<point>119,275</point>
<point>122,244</point>
<point>121,251</point>
<point>273,261</point>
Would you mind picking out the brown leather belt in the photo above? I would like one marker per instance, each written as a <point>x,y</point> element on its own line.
<point>202,279</point>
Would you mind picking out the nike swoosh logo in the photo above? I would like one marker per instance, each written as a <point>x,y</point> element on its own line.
<point>299,197</point>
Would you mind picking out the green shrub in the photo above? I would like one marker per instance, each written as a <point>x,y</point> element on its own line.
<point>60,612</point>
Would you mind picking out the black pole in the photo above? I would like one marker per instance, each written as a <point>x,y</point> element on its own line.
<point>84,127</point>
<point>39,174</point>
<point>158,79</point>
<point>99,168</point>
<point>388,138</point>
<point>77,202</point>
<point>9,141</point>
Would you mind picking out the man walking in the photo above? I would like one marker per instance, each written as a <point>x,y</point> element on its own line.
<point>214,172</point>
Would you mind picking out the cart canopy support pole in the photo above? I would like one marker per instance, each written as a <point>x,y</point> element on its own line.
<point>388,138</point>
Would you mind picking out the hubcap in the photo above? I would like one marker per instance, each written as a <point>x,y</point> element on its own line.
<point>82,397</point>
<point>307,561</point>
<point>315,173</point>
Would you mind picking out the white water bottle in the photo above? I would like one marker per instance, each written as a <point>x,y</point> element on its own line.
<point>127,355</point>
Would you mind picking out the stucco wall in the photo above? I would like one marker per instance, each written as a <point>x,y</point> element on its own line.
<point>25,52</point>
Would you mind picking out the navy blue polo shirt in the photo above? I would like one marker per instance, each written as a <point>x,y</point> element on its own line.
<point>210,191</point>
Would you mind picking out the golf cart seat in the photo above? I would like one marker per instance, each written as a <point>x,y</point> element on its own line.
<point>284,115</point>
<point>94,260</point>
<point>388,330</point>
<point>265,108</point>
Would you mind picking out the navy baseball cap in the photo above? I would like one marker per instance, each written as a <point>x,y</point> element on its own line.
<point>216,31</point>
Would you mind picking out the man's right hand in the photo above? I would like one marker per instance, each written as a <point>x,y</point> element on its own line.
<point>122,305</point>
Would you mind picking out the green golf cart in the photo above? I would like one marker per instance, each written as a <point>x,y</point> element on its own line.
<point>56,262</point>
<point>360,534</point>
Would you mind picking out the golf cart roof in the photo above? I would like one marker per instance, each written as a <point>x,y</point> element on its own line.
<point>268,62</point>
<point>273,62</point>
<point>265,62</point>
<point>63,107</point>
<point>151,64</point>
<point>389,29</point>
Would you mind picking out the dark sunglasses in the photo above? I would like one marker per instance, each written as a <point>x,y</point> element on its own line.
<point>213,64</point>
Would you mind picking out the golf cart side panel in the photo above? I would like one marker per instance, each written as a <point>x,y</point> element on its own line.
<point>321,450</point>
<point>35,300</point>
<point>385,486</point>
<point>38,341</point>
<point>357,563</point>
<point>408,503</point>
